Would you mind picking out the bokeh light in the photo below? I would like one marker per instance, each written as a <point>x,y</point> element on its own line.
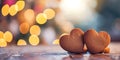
<point>34,40</point>
<point>63,34</point>
<point>50,13</point>
<point>20,17</point>
<point>5,10</point>
<point>35,30</point>
<point>107,50</point>
<point>71,5</point>
<point>20,4</point>
<point>41,18</point>
<point>8,36</point>
<point>1,34</point>
<point>13,10</point>
<point>3,43</point>
<point>24,28</point>
<point>29,16</point>
<point>77,10</point>
<point>56,42</point>
<point>21,42</point>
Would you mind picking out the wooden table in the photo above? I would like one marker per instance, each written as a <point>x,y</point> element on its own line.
<point>54,53</point>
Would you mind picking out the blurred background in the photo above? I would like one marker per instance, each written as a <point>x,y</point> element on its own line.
<point>36,22</point>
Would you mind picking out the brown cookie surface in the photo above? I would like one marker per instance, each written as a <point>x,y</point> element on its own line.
<point>73,42</point>
<point>96,42</point>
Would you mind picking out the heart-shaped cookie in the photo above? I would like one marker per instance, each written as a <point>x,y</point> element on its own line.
<point>96,42</point>
<point>73,42</point>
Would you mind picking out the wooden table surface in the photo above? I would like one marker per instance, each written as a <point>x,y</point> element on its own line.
<point>54,53</point>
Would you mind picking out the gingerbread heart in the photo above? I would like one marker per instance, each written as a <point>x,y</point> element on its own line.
<point>73,42</point>
<point>96,42</point>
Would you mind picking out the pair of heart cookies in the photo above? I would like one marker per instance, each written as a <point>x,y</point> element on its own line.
<point>79,42</point>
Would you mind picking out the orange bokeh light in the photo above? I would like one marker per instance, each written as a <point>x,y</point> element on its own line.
<point>34,40</point>
<point>13,10</point>
<point>3,43</point>
<point>20,4</point>
<point>24,28</point>
<point>41,18</point>
<point>8,36</point>
<point>1,34</point>
<point>50,13</point>
<point>29,16</point>
<point>5,10</point>
<point>21,42</point>
<point>35,30</point>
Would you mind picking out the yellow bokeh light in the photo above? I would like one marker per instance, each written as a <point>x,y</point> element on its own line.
<point>56,42</point>
<point>5,10</point>
<point>3,43</point>
<point>41,18</point>
<point>21,42</point>
<point>24,28</point>
<point>20,4</point>
<point>29,16</point>
<point>13,10</point>
<point>34,40</point>
<point>1,34</point>
<point>8,36</point>
<point>50,13</point>
<point>35,30</point>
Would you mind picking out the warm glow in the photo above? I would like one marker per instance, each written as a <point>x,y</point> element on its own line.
<point>34,40</point>
<point>13,10</point>
<point>35,30</point>
<point>67,27</point>
<point>21,42</point>
<point>64,34</point>
<point>20,17</point>
<point>5,10</point>
<point>3,43</point>
<point>24,28</point>
<point>71,5</point>
<point>20,4</point>
<point>106,50</point>
<point>56,42</point>
<point>78,10</point>
<point>1,34</point>
<point>50,13</point>
<point>8,36</point>
<point>41,18</point>
<point>29,15</point>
